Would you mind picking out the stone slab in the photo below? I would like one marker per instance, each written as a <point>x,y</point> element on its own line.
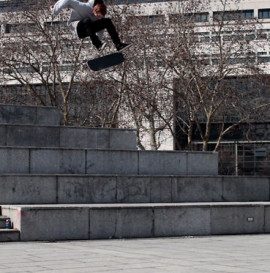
<point>49,222</point>
<point>167,162</point>
<point>97,161</point>
<point>68,189</point>
<point>28,189</point>
<point>98,138</point>
<point>86,189</point>
<point>190,220</point>
<point>201,163</point>
<point>117,223</point>
<point>57,161</point>
<point>9,235</point>
<point>127,139</point>
<point>134,189</point>
<point>106,221</point>
<point>267,218</point>
<point>245,189</point>
<point>67,137</point>
<point>18,114</point>
<point>14,160</point>
<point>238,218</point>
<point>39,136</point>
<point>197,189</point>
<point>112,162</point>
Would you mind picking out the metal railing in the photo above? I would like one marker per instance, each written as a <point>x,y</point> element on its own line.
<point>244,158</point>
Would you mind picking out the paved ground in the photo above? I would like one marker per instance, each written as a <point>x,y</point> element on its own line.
<point>245,253</point>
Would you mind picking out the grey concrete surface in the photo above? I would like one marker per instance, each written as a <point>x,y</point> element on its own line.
<point>106,221</point>
<point>68,137</point>
<point>215,254</point>
<point>68,189</point>
<point>13,114</point>
<point>97,161</point>
<point>9,235</point>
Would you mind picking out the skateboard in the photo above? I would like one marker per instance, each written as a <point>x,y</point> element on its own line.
<point>106,61</point>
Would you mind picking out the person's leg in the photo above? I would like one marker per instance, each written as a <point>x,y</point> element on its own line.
<point>85,29</point>
<point>106,23</point>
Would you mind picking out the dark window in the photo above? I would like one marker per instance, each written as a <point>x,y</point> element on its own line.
<point>264,13</point>
<point>18,28</point>
<point>148,20</point>
<point>200,17</point>
<point>233,15</point>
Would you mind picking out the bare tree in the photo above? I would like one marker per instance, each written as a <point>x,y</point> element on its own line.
<point>46,65</point>
<point>204,61</point>
<point>178,69</point>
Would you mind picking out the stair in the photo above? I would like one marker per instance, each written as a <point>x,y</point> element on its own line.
<point>9,235</point>
<point>14,135</point>
<point>38,115</point>
<point>63,183</point>
<point>101,189</point>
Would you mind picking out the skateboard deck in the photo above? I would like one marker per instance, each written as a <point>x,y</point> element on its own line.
<point>106,61</point>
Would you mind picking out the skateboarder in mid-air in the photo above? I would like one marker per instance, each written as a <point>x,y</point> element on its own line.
<point>88,20</point>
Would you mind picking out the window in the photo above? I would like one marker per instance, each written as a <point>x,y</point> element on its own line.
<point>262,36</point>
<point>117,2</point>
<point>14,5</point>
<point>55,25</point>
<point>202,17</point>
<point>264,13</point>
<point>191,17</point>
<point>263,59</point>
<point>149,20</point>
<point>199,17</point>
<point>233,15</point>
<point>261,53</point>
<point>18,28</point>
<point>250,37</point>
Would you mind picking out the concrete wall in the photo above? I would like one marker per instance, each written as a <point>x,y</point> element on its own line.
<point>66,222</point>
<point>68,137</point>
<point>86,161</point>
<point>88,189</point>
<point>37,115</point>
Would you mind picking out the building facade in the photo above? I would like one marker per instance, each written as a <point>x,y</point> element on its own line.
<point>244,24</point>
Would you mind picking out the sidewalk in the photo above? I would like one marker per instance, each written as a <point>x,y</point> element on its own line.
<point>245,253</point>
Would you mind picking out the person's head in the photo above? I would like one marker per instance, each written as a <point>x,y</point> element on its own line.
<point>99,10</point>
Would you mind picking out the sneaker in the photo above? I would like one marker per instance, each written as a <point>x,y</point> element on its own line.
<point>101,47</point>
<point>122,46</point>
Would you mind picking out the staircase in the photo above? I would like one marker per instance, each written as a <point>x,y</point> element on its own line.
<point>63,183</point>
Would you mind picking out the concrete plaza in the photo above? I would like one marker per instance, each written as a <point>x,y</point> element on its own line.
<point>241,253</point>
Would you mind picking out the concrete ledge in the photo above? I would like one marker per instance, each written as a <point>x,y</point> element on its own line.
<point>9,235</point>
<point>66,222</point>
<point>91,189</point>
<point>90,161</point>
<point>67,137</point>
<point>38,115</point>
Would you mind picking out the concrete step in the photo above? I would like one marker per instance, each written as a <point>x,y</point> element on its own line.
<point>91,189</point>
<point>9,235</point>
<point>106,221</point>
<point>36,115</point>
<point>91,161</point>
<point>68,137</point>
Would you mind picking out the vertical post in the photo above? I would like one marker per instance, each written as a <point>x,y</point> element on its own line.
<point>236,157</point>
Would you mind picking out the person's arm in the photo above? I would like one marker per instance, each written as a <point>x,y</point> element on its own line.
<point>92,3</point>
<point>62,4</point>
